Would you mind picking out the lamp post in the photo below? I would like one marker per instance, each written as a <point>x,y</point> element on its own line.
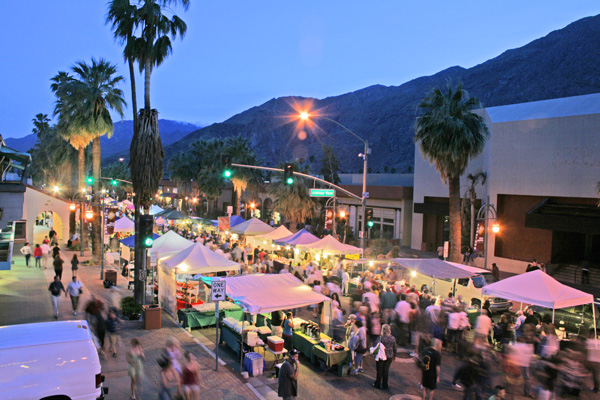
<point>486,213</point>
<point>305,116</point>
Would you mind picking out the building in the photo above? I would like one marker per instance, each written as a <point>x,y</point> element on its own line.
<point>542,162</point>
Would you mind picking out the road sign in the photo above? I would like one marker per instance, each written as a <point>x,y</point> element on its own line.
<point>365,195</point>
<point>218,291</point>
<point>322,192</point>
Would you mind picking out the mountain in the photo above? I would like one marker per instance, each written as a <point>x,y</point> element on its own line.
<point>118,145</point>
<point>563,63</point>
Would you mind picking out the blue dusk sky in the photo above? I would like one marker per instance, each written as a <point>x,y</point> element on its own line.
<point>240,53</point>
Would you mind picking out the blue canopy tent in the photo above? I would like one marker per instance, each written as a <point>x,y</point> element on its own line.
<point>235,220</point>
<point>130,241</point>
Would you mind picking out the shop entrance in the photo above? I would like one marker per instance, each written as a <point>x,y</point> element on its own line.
<point>46,222</point>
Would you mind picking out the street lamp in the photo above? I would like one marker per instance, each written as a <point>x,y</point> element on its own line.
<point>486,213</point>
<point>305,116</point>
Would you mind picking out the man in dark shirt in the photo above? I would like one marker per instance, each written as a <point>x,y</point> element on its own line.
<point>288,377</point>
<point>55,288</point>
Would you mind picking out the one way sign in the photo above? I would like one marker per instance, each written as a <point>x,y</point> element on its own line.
<point>218,291</point>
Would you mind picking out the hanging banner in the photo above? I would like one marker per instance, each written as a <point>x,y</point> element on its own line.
<point>223,224</point>
<point>111,217</point>
<point>480,237</point>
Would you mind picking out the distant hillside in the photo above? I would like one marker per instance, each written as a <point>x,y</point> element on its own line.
<point>561,64</point>
<point>118,144</point>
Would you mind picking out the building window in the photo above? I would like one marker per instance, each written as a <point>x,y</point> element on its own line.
<point>174,190</point>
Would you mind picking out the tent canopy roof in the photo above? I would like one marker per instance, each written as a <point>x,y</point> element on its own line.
<point>278,233</point>
<point>538,288</point>
<point>197,259</point>
<point>299,238</point>
<point>124,224</point>
<point>433,267</point>
<point>169,244</point>
<point>252,227</point>
<point>154,209</point>
<point>332,245</point>
<point>235,220</point>
<point>172,214</point>
<point>260,293</point>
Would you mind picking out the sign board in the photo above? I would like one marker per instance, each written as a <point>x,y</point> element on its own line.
<point>230,210</point>
<point>446,249</point>
<point>153,260</point>
<point>218,291</point>
<point>223,224</point>
<point>365,195</point>
<point>322,192</point>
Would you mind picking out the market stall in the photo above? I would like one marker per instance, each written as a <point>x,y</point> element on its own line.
<point>169,244</point>
<point>124,224</point>
<point>268,238</point>
<point>154,209</point>
<point>252,227</point>
<point>195,259</point>
<point>203,315</point>
<point>302,237</point>
<point>331,245</point>
<point>540,289</point>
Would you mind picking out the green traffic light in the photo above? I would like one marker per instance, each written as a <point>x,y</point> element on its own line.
<point>290,181</point>
<point>227,173</point>
<point>370,224</point>
<point>90,179</point>
<point>148,242</point>
<point>114,182</point>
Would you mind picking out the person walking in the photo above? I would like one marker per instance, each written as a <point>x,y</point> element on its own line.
<point>191,380</point>
<point>74,265</point>
<point>55,251</point>
<point>45,254</point>
<point>75,288</point>
<point>58,266</point>
<point>135,360</point>
<point>383,366</point>
<point>112,327</point>
<point>169,380</point>
<point>55,288</point>
<point>26,251</point>
<point>288,377</point>
<point>37,255</point>
<point>430,377</point>
<point>495,272</point>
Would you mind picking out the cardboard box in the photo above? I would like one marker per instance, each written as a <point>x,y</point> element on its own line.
<point>275,343</point>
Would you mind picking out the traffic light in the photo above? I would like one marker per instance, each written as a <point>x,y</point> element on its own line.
<point>369,217</point>
<point>89,180</point>
<point>288,174</point>
<point>146,234</point>
<point>114,182</point>
<point>227,173</point>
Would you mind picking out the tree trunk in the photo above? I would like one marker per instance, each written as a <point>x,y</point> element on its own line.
<point>138,286</point>
<point>81,167</point>
<point>97,220</point>
<point>133,94</point>
<point>472,237</point>
<point>455,225</point>
<point>147,72</point>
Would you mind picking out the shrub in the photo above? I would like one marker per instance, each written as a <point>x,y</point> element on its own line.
<point>130,309</point>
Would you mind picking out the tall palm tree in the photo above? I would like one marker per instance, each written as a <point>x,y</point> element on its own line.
<point>471,192</point>
<point>293,201</point>
<point>238,148</point>
<point>449,135</point>
<point>84,102</point>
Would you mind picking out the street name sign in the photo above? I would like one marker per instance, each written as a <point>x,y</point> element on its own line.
<point>322,192</point>
<point>218,291</point>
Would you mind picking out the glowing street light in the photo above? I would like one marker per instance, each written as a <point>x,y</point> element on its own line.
<point>72,206</point>
<point>89,214</point>
<point>496,228</point>
<point>55,189</point>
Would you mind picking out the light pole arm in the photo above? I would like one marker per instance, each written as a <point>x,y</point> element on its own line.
<point>347,130</point>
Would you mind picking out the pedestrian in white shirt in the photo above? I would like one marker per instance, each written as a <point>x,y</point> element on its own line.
<point>483,325</point>
<point>45,254</point>
<point>75,288</point>
<point>403,311</point>
<point>26,251</point>
<point>345,281</point>
<point>372,298</point>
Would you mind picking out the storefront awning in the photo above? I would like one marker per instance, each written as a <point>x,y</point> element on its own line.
<point>579,218</point>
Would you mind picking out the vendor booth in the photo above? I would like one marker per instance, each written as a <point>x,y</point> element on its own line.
<point>302,237</point>
<point>540,289</point>
<point>179,294</point>
<point>252,227</point>
<point>262,294</point>
<point>268,238</point>
<point>169,244</point>
<point>154,209</point>
<point>331,245</point>
<point>124,224</point>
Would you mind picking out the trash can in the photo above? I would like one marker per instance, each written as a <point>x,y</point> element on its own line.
<point>111,276</point>
<point>151,316</point>
<point>472,314</point>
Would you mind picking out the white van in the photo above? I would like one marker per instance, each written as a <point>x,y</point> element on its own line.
<point>49,361</point>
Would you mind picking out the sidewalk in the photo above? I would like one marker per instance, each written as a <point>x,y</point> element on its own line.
<point>24,298</point>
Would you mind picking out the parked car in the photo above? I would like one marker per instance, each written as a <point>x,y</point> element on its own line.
<point>576,319</point>
<point>49,360</point>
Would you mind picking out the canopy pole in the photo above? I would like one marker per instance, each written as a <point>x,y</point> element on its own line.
<point>595,333</point>
<point>553,309</point>
<point>242,342</point>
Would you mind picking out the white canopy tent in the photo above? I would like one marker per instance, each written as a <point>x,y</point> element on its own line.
<point>124,224</point>
<point>154,209</point>
<point>433,267</point>
<point>264,293</point>
<point>252,227</point>
<point>267,238</point>
<point>168,244</point>
<point>540,289</point>
<point>329,244</point>
<point>195,259</point>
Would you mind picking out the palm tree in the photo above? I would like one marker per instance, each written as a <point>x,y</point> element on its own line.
<point>238,148</point>
<point>471,193</point>
<point>84,102</point>
<point>449,135</point>
<point>293,201</point>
